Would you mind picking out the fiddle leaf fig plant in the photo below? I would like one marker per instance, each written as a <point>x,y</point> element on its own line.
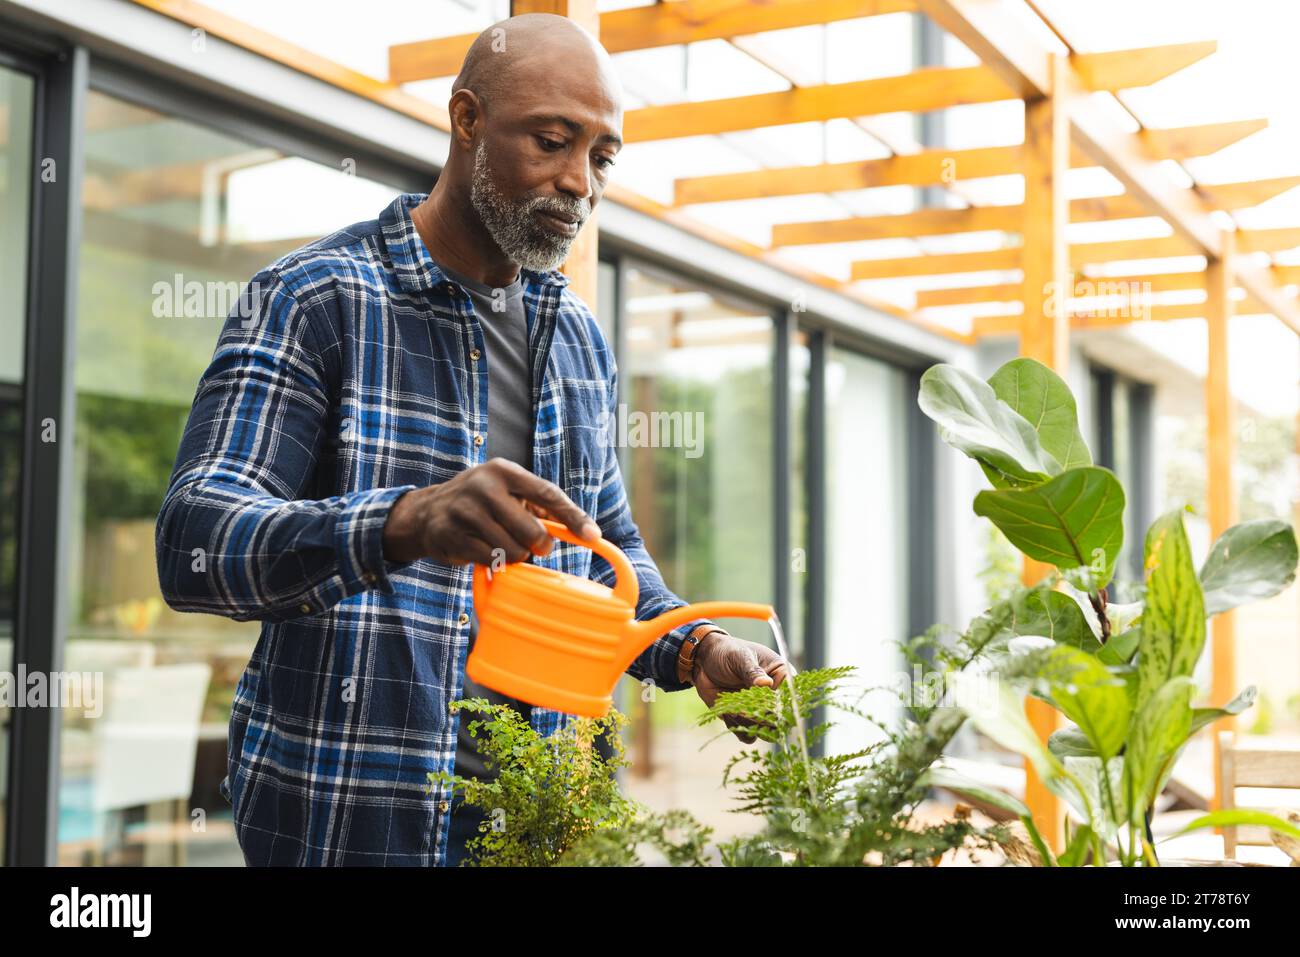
<point>1121,674</point>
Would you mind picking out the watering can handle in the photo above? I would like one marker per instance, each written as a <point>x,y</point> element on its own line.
<point>626,586</point>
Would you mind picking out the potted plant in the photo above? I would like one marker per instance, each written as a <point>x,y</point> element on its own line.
<point>1121,674</point>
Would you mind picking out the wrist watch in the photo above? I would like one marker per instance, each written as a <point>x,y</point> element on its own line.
<point>686,656</point>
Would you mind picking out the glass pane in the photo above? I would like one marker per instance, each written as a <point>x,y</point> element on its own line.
<point>800,572</point>
<point>866,523</point>
<point>698,375</point>
<point>16,100</point>
<point>177,217</point>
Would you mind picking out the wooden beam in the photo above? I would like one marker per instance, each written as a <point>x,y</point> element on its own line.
<point>1101,318</point>
<point>928,168</point>
<point>1093,209</point>
<point>1045,336</point>
<point>1287,275</point>
<point>993,260</point>
<point>925,222</point>
<point>656,25</point>
<point>1084,287</point>
<point>1197,140</point>
<point>583,265</point>
<point>1125,69</point>
<point>1267,240</point>
<point>1220,492</point>
<point>935,88</point>
<point>1083,254</point>
<point>1010,49</point>
<point>1247,194</point>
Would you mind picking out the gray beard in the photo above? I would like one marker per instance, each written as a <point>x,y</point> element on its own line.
<point>512,224</point>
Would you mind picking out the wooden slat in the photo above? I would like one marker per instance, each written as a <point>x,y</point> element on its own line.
<point>926,222</point>
<point>1123,249</point>
<point>935,88</point>
<point>1266,768</point>
<point>996,259</point>
<point>933,222</point>
<point>1007,46</point>
<point>1197,140</point>
<point>1090,286</point>
<point>927,168</point>
<point>1267,240</point>
<point>1247,194</point>
<point>656,25</point>
<point>932,168</point>
<point>1125,69</point>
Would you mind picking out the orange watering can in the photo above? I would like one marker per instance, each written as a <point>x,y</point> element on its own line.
<point>559,641</point>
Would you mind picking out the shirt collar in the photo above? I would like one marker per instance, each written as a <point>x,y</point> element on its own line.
<point>416,269</point>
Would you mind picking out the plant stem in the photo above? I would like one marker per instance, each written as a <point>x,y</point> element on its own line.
<point>1098,601</point>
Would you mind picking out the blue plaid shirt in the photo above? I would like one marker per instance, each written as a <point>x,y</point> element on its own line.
<point>354,371</point>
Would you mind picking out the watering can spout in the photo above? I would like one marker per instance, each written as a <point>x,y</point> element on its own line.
<point>643,633</point>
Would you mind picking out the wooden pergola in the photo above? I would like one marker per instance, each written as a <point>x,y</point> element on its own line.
<point>1064,128</point>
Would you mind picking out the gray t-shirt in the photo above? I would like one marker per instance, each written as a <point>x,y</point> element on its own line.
<point>504,323</point>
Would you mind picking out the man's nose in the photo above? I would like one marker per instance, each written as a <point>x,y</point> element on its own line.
<point>575,178</point>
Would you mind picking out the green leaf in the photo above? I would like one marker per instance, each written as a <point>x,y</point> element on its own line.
<point>1249,562</point>
<point>973,420</point>
<point>1173,621</point>
<point>1159,729</point>
<point>1045,401</point>
<point>1074,520</point>
<point>1043,611</point>
<point>1087,772</point>
<point>1203,716</point>
<point>994,708</point>
<point>1090,696</point>
<point>948,779</point>
<point>1119,650</point>
<point>1238,817</point>
<point>1070,743</point>
<point>1077,851</point>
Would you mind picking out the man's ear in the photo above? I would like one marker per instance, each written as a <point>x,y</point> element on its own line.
<point>466,114</point>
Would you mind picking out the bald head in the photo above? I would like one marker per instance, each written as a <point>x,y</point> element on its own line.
<point>508,54</point>
<point>536,122</point>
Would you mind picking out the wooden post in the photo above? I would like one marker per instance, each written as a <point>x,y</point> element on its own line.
<point>1044,335</point>
<point>582,266</point>
<point>1220,490</point>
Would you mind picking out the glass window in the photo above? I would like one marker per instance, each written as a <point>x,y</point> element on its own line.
<point>177,217</point>
<point>17,93</point>
<point>866,526</point>
<point>697,436</point>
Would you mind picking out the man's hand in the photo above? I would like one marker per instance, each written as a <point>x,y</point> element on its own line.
<point>488,507</point>
<point>726,663</point>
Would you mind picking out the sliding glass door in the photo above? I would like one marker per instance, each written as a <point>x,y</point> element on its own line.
<point>17,100</point>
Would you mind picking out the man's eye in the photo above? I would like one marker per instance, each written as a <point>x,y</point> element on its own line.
<point>604,162</point>
<point>551,145</point>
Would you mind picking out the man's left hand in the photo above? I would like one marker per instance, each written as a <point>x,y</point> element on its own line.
<point>726,663</point>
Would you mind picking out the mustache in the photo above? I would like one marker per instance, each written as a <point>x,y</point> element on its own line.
<point>577,209</point>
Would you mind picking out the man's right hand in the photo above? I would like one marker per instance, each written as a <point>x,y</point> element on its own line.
<point>482,509</point>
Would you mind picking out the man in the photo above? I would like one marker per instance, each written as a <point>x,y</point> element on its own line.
<point>391,404</point>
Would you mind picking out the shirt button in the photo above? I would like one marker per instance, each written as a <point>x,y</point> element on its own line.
<point>444,806</point>
<point>464,618</point>
<point>475,354</point>
<point>305,608</point>
<point>478,440</point>
<point>369,578</point>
